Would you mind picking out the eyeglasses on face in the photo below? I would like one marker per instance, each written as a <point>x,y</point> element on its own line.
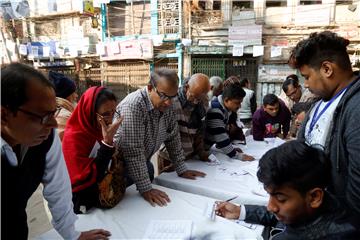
<point>292,93</point>
<point>108,114</point>
<point>43,119</point>
<point>163,96</point>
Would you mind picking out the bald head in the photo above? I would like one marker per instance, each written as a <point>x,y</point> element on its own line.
<point>199,83</point>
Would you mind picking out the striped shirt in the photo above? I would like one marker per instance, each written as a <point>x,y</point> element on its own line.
<point>217,120</point>
<point>190,120</point>
<point>141,134</point>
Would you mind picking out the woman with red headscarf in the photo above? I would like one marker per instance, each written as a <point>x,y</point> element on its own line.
<point>88,145</point>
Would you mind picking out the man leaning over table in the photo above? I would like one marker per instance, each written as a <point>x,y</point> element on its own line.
<point>190,110</point>
<point>31,154</point>
<point>150,121</point>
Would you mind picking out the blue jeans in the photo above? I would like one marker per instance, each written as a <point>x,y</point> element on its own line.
<point>129,180</point>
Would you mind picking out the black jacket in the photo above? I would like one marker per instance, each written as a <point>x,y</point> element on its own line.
<point>343,149</point>
<point>331,222</point>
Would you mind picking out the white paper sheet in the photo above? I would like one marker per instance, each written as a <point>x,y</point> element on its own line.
<point>168,229</point>
<point>23,49</point>
<point>275,51</point>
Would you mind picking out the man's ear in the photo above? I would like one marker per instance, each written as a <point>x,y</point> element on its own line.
<point>149,87</point>
<point>4,116</point>
<point>187,86</point>
<point>315,197</point>
<point>327,69</point>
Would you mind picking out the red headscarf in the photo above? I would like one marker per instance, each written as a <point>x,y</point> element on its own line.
<point>81,134</point>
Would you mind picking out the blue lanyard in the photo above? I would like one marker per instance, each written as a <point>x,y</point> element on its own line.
<point>316,117</point>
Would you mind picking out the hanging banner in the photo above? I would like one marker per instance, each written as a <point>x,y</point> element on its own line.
<point>245,35</point>
<point>23,49</point>
<point>238,50</point>
<point>130,49</point>
<point>258,51</point>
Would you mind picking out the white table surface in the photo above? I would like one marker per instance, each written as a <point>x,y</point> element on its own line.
<point>248,189</point>
<point>131,217</point>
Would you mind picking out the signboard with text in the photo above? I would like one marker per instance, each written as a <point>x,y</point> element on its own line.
<point>245,35</point>
<point>130,49</point>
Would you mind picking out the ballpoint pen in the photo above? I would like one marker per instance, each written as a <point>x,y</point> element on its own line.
<point>230,199</point>
<point>213,213</point>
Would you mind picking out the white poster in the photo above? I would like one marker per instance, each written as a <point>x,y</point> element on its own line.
<point>73,51</point>
<point>115,47</point>
<point>46,51</point>
<point>23,49</point>
<point>258,51</point>
<point>100,49</point>
<point>275,51</point>
<point>238,50</point>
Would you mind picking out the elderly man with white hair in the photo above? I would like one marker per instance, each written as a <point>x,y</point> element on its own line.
<point>216,87</point>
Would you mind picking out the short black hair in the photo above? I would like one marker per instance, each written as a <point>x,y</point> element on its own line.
<point>15,79</point>
<point>320,47</point>
<point>290,80</point>
<point>233,91</point>
<point>243,82</point>
<point>294,164</point>
<point>103,96</point>
<point>301,107</point>
<point>270,99</point>
<point>169,74</point>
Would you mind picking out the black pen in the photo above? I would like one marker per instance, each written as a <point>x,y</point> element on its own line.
<point>231,199</point>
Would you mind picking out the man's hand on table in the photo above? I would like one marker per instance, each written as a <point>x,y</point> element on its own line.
<point>243,157</point>
<point>95,234</point>
<point>192,174</point>
<point>227,210</point>
<point>156,197</point>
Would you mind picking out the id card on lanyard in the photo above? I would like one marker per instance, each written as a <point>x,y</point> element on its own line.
<point>317,116</point>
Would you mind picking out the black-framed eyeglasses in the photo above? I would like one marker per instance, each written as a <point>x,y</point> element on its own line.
<point>43,119</point>
<point>109,114</point>
<point>163,96</point>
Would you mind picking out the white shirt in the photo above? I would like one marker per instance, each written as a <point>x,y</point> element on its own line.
<point>57,187</point>
<point>321,128</point>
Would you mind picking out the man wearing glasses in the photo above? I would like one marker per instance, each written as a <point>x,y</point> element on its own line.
<point>148,122</point>
<point>31,154</point>
<point>190,109</point>
<point>294,92</point>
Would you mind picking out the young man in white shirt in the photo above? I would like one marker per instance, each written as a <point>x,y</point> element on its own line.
<point>333,122</point>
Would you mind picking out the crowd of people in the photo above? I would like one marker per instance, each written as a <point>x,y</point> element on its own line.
<point>87,153</point>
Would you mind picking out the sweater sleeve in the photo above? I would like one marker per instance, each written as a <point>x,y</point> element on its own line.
<point>217,130</point>
<point>258,129</point>
<point>103,157</point>
<point>57,191</point>
<point>260,215</point>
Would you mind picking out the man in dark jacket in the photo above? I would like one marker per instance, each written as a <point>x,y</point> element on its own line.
<point>296,176</point>
<point>31,154</point>
<point>333,122</point>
